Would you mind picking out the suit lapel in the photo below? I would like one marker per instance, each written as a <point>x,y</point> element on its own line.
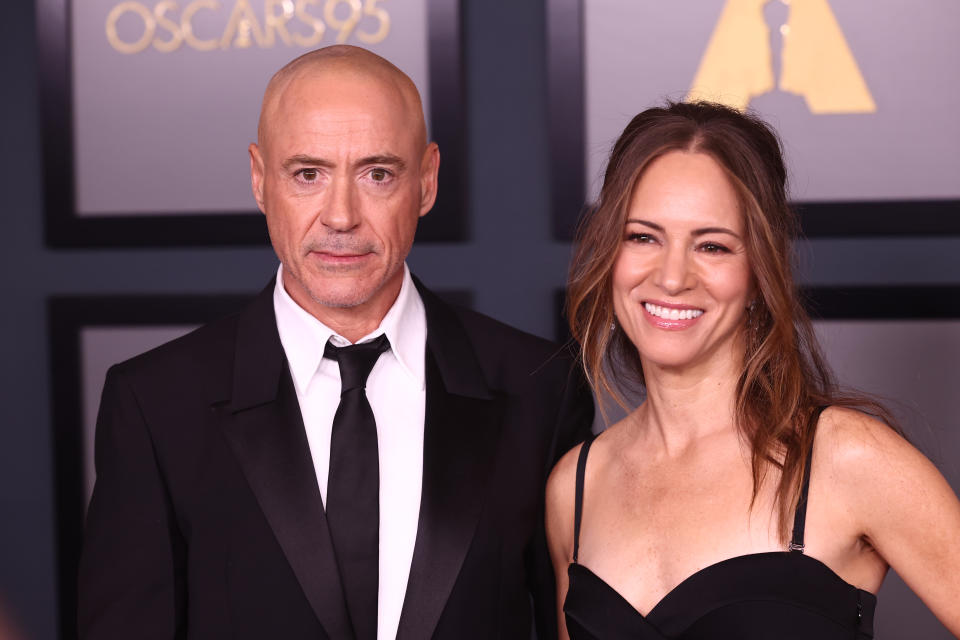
<point>461,431</point>
<point>265,429</point>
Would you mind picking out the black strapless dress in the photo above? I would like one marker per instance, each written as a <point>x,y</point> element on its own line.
<point>783,595</point>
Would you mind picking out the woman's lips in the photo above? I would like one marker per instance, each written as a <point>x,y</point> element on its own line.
<point>671,317</point>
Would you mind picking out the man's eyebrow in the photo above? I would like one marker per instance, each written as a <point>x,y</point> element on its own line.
<point>696,232</point>
<point>306,160</point>
<point>386,158</point>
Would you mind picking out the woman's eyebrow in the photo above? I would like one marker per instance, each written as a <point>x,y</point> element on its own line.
<point>696,232</point>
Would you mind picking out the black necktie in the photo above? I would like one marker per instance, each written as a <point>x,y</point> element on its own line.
<point>353,488</point>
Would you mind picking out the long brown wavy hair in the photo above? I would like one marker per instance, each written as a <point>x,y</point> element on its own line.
<point>784,379</point>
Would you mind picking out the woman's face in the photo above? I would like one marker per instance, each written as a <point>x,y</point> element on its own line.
<point>682,281</point>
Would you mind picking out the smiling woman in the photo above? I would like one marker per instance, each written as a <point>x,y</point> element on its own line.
<point>690,518</point>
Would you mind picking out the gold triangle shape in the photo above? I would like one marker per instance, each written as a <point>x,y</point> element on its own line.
<point>817,62</point>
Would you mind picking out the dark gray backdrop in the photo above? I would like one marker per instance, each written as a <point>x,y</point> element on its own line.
<point>511,261</point>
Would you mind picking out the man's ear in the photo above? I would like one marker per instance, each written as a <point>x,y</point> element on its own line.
<point>256,174</point>
<point>429,170</point>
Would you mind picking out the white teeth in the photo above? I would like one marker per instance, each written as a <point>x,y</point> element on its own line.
<point>672,314</point>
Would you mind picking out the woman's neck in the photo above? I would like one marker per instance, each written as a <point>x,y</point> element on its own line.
<point>683,406</point>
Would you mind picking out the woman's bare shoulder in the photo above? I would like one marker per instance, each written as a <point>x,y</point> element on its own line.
<point>870,464</point>
<point>562,477</point>
<point>561,491</point>
<point>853,444</point>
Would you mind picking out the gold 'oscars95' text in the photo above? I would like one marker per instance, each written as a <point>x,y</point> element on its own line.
<point>301,23</point>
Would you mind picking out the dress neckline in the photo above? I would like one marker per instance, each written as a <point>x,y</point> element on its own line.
<point>721,565</point>
<point>781,579</point>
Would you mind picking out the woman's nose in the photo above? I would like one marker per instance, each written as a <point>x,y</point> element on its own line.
<point>675,273</point>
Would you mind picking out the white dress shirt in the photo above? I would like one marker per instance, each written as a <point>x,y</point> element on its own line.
<point>397,394</point>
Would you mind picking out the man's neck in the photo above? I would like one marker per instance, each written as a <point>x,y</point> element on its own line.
<point>350,325</point>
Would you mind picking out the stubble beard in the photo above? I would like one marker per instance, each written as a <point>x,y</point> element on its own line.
<point>333,296</point>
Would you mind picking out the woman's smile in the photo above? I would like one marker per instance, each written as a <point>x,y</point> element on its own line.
<point>671,317</point>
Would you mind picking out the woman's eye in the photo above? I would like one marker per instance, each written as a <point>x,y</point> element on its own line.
<point>713,247</point>
<point>640,237</point>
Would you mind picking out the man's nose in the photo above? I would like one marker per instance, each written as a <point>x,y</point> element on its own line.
<point>675,272</point>
<point>339,210</point>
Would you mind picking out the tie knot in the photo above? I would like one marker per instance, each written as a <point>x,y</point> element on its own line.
<point>356,361</point>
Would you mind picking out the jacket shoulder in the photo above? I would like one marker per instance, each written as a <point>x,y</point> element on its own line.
<point>204,357</point>
<point>479,324</point>
<point>512,354</point>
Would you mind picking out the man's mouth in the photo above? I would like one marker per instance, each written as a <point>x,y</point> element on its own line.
<point>333,254</point>
<point>341,258</point>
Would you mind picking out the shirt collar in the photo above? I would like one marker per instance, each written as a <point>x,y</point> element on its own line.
<point>304,338</point>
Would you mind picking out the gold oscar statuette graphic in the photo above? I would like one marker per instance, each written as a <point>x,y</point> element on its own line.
<point>815,60</point>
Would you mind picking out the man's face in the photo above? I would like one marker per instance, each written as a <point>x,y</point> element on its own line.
<point>343,175</point>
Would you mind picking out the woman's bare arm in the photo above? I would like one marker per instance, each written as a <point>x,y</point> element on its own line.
<point>561,488</point>
<point>902,504</point>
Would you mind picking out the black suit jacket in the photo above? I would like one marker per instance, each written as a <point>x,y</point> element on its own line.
<point>206,520</point>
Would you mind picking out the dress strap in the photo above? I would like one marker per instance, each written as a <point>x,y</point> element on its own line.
<point>800,515</point>
<point>578,497</point>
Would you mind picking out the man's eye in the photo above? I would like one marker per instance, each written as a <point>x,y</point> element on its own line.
<point>309,175</point>
<point>379,175</point>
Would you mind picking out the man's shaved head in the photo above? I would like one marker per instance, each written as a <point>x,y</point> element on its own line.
<point>348,62</point>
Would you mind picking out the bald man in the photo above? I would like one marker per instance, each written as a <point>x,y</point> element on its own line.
<point>254,481</point>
